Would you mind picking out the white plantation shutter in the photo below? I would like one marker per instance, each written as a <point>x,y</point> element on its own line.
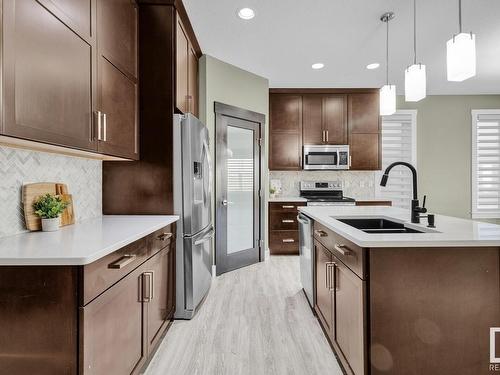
<point>486,163</point>
<point>399,141</point>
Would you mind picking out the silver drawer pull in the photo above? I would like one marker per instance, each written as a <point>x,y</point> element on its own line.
<point>164,236</point>
<point>288,240</point>
<point>288,206</point>
<point>342,249</point>
<point>321,233</point>
<point>288,221</point>
<point>122,262</point>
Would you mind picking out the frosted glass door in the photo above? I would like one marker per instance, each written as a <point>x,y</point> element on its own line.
<point>237,189</point>
<point>240,189</point>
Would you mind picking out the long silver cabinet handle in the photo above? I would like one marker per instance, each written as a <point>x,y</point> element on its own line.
<point>288,240</point>
<point>288,206</point>
<point>342,249</point>
<point>105,122</point>
<point>147,286</point>
<point>287,221</point>
<point>99,125</point>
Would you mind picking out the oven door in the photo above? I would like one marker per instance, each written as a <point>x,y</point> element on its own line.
<point>320,158</point>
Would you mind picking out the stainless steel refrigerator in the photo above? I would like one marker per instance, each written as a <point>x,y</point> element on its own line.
<point>192,202</point>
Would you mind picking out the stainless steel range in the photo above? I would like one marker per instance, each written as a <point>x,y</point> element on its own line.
<point>324,193</point>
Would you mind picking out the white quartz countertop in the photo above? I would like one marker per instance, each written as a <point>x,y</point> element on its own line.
<point>287,199</point>
<point>81,243</point>
<point>449,231</point>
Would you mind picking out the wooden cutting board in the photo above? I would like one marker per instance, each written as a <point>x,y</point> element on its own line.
<point>31,192</point>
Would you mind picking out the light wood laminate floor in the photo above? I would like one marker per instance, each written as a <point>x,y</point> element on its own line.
<point>255,320</point>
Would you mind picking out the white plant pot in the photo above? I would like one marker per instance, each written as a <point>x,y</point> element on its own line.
<point>51,225</point>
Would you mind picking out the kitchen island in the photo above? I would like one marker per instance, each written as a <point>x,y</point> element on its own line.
<point>416,302</point>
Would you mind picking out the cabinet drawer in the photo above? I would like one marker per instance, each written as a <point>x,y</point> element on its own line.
<point>103,273</point>
<point>285,206</point>
<point>349,253</point>
<point>283,220</point>
<point>284,242</point>
<point>162,238</point>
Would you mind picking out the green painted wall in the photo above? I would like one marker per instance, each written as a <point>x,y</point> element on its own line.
<point>444,149</point>
<point>228,84</point>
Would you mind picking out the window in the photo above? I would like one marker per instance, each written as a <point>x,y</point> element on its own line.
<point>399,143</point>
<point>486,163</point>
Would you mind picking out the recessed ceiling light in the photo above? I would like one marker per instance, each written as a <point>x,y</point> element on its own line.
<point>246,13</point>
<point>318,66</point>
<point>372,66</point>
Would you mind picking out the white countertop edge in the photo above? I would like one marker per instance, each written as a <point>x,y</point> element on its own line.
<point>63,260</point>
<point>434,237</point>
<point>287,199</point>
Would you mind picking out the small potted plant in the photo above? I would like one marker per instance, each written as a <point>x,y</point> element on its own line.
<point>272,192</point>
<point>49,207</point>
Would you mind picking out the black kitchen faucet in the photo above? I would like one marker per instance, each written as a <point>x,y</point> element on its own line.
<point>415,209</point>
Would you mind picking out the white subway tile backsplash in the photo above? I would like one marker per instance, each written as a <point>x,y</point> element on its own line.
<point>19,167</point>
<point>358,185</point>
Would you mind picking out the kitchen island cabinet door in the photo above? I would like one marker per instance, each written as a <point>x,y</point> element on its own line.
<point>48,75</point>
<point>324,301</point>
<point>112,330</point>
<point>117,117</point>
<point>158,271</point>
<point>350,316</point>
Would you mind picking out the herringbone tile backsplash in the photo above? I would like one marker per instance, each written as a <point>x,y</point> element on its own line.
<point>19,167</point>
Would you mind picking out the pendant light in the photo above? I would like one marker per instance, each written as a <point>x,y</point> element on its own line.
<point>387,92</point>
<point>461,53</point>
<point>415,76</point>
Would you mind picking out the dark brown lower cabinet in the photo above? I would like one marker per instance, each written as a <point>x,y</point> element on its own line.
<point>324,298</point>
<point>284,228</point>
<point>112,329</point>
<point>413,311</point>
<point>53,323</point>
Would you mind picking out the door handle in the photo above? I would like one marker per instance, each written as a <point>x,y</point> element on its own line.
<point>99,125</point>
<point>225,202</point>
<point>147,286</point>
<point>105,127</point>
<point>205,239</point>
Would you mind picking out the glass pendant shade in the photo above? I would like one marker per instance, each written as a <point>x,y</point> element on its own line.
<point>387,100</point>
<point>415,83</point>
<point>461,57</point>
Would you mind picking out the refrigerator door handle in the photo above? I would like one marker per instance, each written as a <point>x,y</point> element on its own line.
<point>209,236</point>
<point>209,161</point>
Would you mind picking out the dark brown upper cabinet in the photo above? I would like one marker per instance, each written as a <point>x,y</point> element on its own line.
<point>117,113</point>
<point>285,147</point>
<point>70,74</point>
<point>364,131</point>
<point>324,119</point>
<point>48,72</point>
<point>186,79</point>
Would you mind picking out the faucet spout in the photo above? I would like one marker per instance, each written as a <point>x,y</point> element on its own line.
<point>385,176</point>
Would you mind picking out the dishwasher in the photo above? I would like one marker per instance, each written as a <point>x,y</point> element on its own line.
<point>306,256</point>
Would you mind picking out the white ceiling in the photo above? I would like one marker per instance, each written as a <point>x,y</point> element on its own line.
<point>287,36</point>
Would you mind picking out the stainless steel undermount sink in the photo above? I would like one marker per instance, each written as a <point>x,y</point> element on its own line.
<point>378,226</point>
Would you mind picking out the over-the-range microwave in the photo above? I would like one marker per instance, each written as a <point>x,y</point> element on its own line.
<point>326,157</point>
